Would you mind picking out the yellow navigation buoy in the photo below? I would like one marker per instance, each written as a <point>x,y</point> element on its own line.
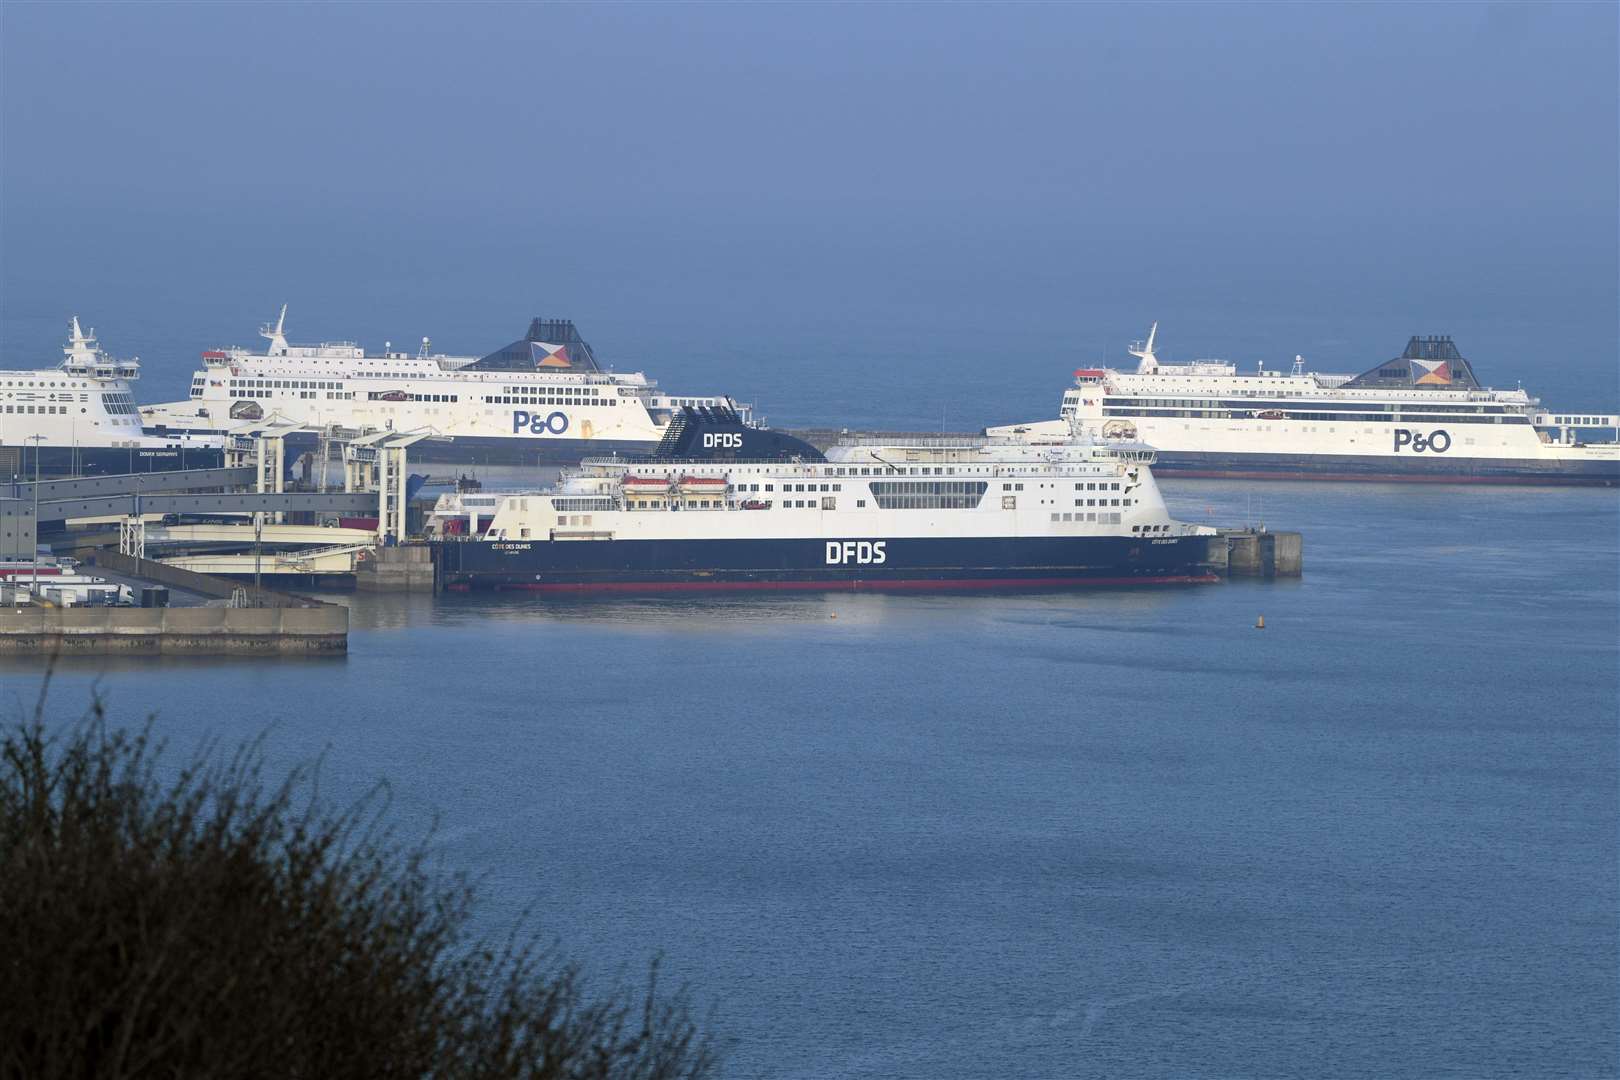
<point>1260,623</point>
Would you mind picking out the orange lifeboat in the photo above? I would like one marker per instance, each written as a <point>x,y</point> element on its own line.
<point>703,485</point>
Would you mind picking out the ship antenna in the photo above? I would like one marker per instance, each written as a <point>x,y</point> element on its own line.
<point>1150,363</point>
<point>80,345</point>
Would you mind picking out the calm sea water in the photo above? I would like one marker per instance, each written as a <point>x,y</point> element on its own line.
<point>1082,834</point>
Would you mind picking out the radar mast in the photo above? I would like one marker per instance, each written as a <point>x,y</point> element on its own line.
<point>276,335</point>
<point>1143,351</point>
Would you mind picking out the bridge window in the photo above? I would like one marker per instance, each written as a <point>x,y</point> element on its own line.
<point>928,494</point>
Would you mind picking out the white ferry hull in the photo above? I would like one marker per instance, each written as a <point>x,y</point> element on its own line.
<point>542,400</point>
<point>80,419</point>
<point>1422,416</point>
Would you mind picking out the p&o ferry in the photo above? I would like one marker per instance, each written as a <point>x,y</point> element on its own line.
<point>543,399</point>
<point>1421,416</point>
<point>80,419</point>
<point>724,504</point>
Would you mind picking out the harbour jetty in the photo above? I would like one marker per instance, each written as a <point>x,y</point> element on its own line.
<point>249,621</point>
<point>284,631</point>
<point>1257,553</point>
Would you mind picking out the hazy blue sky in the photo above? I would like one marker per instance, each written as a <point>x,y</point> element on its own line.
<point>1264,178</point>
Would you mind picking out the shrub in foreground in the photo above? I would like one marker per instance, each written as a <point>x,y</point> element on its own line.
<point>206,923</point>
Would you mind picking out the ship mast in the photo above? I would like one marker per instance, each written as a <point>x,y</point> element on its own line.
<point>1144,353</point>
<point>276,335</point>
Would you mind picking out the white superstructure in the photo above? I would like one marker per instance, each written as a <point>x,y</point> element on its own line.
<point>541,398</point>
<point>1422,415</point>
<point>925,487</point>
<point>81,412</point>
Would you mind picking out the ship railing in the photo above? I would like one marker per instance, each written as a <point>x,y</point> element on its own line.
<point>947,442</point>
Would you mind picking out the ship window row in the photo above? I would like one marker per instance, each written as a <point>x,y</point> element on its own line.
<point>1101,502</point>
<point>928,495</point>
<point>791,487</point>
<point>37,409</point>
<point>1096,487</point>
<point>331,395</point>
<point>575,505</point>
<point>571,391</point>
<point>529,400</point>
<point>1359,407</point>
<point>401,395</point>
<point>1416,415</point>
<point>904,470</point>
<point>285,384</point>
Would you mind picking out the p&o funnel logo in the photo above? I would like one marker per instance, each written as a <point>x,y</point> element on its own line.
<point>1431,372</point>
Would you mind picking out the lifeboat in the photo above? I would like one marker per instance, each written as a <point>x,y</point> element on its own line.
<point>701,485</point>
<point>1271,414</point>
<point>646,485</point>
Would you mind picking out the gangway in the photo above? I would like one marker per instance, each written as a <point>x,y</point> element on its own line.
<point>317,535</point>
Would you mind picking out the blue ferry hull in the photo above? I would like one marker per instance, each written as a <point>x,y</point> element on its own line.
<point>907,563</point>
<point>1438,470</point>
<point>60,461</point>
<point>523,451</point>
<point>476,450</point>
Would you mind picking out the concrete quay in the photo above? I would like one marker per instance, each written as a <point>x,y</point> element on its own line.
<point>300,631</point>
<point>1257,553</point>
<point>403,568</point>
<point>269,624</point>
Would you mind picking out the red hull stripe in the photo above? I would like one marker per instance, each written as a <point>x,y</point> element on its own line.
<point>850,586</point>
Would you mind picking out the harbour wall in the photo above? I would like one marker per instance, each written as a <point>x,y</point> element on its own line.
<point>1253,553</point>
<point>402,568</point>
<point>297,631</point>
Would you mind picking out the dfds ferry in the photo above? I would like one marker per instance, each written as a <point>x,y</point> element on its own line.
<point>79,419</point>
<point>724,504</point>
<point>543,399</point>
<point>1421,416</point>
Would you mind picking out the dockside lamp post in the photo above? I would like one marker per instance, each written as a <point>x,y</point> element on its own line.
<point>33,589</point>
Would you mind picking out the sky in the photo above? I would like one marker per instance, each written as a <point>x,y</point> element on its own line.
<point>798,195</point>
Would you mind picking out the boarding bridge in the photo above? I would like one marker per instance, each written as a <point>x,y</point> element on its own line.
<point>279,535</point>
<point>338,559</point>
<point>251,486</point>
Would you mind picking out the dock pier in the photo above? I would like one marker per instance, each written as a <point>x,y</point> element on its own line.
<point>253,622</point>
<point>398,568</point>
<point>1257,553</point>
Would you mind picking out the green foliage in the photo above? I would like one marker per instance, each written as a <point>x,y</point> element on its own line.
<point>207,923</point>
